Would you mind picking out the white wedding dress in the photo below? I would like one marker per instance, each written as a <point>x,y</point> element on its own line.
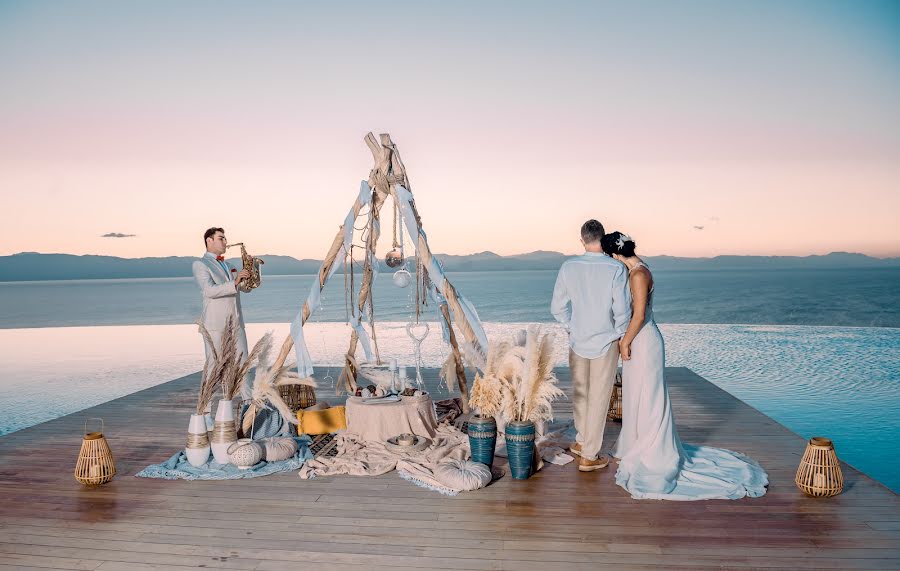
<point>654,464</point>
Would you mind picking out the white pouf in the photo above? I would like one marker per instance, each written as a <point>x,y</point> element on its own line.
<point>463,474</point>
<point>279,448</point>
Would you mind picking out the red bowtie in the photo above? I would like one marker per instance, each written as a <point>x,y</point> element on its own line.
<point>220,258</point>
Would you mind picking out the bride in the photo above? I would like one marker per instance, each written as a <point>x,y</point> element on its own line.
<point>653,461</point>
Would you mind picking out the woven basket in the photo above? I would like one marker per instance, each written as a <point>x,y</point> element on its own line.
<point>615,401</point>
<point>95,464</point>
<point>297,396</point>
<point>819,474</point>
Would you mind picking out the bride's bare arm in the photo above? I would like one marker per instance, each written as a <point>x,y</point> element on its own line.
<point>640,288</point>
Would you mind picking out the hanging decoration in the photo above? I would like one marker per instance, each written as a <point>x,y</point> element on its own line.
<point>387,178</point>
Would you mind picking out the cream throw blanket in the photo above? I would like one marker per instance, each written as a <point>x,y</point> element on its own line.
<point>359,457</point>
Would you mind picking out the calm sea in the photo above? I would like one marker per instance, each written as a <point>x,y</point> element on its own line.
<point>861,298</point>
<point>817,350</point>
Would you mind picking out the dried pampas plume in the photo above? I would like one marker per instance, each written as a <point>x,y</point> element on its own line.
<point>486,395</point>
<point>518,380</point>
<point>268,380</point>
<point>208,383</point>
<point>448,373</point>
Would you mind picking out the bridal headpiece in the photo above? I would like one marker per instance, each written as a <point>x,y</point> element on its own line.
<point>620,242</point>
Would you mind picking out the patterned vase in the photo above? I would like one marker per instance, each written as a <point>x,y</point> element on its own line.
<point>520,448</point>
<point>483,439</point>
<point>197,449</point>
<point>224,434</point>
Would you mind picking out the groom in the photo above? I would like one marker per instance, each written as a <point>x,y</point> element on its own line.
<point>218,283</point>
<point>592,301</point>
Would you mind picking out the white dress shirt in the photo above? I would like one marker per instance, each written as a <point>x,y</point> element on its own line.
<point>592,301</point>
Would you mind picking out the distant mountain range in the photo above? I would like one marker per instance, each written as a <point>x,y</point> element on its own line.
<point>32,266</point>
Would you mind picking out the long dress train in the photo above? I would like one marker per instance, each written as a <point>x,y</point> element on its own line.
<point>654,464</point>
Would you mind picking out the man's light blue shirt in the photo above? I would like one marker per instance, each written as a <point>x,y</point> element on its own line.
<point>593,302</point>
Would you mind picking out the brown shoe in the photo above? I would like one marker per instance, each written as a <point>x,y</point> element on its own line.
<point>585,465</point>
<point>575,449</point>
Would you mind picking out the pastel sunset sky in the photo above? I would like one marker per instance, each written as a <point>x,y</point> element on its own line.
<point>774,126</point>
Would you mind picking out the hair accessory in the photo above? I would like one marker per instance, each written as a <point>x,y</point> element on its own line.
<point>620,241</point>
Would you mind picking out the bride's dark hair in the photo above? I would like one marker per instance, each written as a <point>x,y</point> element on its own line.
<point>618,243</point>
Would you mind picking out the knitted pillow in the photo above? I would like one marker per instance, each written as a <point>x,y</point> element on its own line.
<point>279,448</point>
<point>463,474</point>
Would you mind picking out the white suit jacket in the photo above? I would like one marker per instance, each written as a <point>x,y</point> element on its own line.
<point>220,297</point>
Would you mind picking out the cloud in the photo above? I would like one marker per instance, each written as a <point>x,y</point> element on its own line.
<point>118,235</point>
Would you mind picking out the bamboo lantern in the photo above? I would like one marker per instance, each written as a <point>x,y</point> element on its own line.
<point>819,474</point>
<point>615,401</point>
<point>297,396</point>
<point>95,464</point>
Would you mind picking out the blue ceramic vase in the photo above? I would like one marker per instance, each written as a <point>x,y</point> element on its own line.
<point>483,439</point>
<point>520,448</point>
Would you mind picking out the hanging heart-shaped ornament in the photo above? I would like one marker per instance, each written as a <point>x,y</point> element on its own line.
<point>417,331</point>
<point>402,278</point>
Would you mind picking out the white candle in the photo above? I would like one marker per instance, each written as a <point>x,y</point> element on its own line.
<point>393,364</point>
<point>402,372</point>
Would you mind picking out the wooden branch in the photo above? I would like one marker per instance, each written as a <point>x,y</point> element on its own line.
<point>460,368</point>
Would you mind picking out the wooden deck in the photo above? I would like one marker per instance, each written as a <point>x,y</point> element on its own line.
<point>559,519</point>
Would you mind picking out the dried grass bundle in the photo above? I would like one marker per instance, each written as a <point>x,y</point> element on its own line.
<point>448,373</point>
<point>229,361</point>
<point>472,357</point>
<point>208,383</point>
<point>268,380</point>
<point>518,379</point>
<point>486,395</point>
<point>232,385</point>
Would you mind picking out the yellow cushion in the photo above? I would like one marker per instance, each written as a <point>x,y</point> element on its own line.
<point>321,421</point>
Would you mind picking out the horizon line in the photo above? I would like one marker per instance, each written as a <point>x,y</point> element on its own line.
<point>835,252</point>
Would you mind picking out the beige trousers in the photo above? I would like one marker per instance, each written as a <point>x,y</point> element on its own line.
<point>592,380</point>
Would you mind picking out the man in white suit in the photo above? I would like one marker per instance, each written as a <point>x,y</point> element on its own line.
<point>218,283</point>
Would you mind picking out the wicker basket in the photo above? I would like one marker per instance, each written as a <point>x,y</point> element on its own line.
<point>819,474</point>
<point>298,396</point>
<point>95,464</point>
<point>615,401</point>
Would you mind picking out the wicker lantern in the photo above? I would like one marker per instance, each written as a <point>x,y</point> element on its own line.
<point>95,464</point>
<point>819,474</point>
<point>615,401</point>
<point>297,396</point>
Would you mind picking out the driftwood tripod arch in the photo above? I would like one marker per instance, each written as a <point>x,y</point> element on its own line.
<point>387,178</point>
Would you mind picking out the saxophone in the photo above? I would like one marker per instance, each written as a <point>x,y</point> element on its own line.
<point>251,264</point>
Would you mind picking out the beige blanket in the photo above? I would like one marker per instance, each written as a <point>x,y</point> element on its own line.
<point>359,457</point>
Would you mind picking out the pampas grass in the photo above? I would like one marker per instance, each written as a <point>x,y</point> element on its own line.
<point>268,380</point>
<point>448,373</point>
<point>208,383</point>
<point>518,379</point>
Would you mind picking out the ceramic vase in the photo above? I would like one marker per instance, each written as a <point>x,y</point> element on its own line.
<point>224,434</point>
<point>483,439</point>
<point>520,448</point>
<point>197,449</point>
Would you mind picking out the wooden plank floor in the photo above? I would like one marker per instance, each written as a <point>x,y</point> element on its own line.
<point>559,519</point>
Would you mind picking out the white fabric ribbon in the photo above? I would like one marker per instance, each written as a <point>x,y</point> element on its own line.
<point>435,270</point>
<point>314,299</point>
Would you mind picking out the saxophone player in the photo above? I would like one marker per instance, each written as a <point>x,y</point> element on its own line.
<point>219,285</point>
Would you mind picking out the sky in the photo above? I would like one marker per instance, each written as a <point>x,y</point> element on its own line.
<point>698,128</point>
